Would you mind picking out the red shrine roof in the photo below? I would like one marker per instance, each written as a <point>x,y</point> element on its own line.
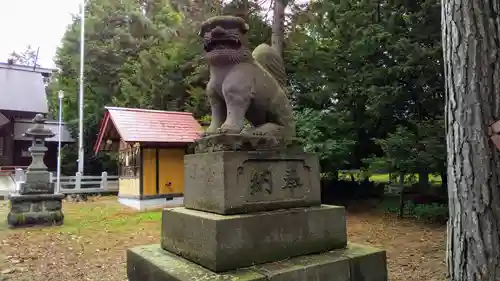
<point>144,125</point>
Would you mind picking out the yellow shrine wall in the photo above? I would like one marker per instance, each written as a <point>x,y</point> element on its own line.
<point>163,171</point>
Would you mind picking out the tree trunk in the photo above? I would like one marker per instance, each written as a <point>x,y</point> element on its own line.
<point>278,28</point>
<point>353,179</point>
<point>401,195</point>
<point>423,179</point>
<point>444,182</point>
<point>472,69</point>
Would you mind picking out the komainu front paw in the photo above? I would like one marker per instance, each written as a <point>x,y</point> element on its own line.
<point>268,129</point>
<point>229,129</point>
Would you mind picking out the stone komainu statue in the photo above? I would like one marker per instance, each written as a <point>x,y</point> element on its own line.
<point>244,84</point>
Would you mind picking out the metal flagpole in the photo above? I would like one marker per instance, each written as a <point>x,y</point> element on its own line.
<point>80,135</point>
<point>58,186</point>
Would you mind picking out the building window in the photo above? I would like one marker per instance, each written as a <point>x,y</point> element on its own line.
<point>129,162</point>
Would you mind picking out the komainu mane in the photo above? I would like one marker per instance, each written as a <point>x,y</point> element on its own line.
<point>244,84</point>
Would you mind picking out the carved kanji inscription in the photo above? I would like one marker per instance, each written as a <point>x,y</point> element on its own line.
<point>292,179</point>
<point>261,181</point>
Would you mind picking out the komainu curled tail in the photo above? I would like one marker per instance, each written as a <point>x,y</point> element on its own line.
<point>271,60</point>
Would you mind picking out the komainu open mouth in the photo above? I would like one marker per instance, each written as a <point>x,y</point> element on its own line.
<point>221,44</point>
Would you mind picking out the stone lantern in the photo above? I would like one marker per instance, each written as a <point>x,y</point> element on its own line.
<point>36,203</point>
<point>37,176</point>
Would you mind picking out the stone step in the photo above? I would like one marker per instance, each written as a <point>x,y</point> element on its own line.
<point>235,182</point>
<point>354,263</point>
<point>226,242</point>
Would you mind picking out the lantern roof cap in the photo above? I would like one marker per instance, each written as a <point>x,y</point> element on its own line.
<point>38,131</point>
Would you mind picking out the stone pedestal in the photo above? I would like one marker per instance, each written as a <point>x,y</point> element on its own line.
<point>223,243</point>
<point>35,209</point>
<point>253,212</point>
<point>36,203</point>
<point>235,182</point>
<point>352,263</point>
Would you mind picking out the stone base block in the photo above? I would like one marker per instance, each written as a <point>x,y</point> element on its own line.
<point>39,209</point>
<point>235,182</point>
<point>37,182</point>
<point>223,243</point>
<point>354,263</point>
<point>145,204</point>
<point>244,142</point>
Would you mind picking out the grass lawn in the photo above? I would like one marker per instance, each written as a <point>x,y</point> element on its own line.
<point>91,244</point>
<point>384,178</point>
<point>435,179</point>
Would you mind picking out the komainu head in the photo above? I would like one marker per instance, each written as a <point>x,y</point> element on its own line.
<point>224,40</point>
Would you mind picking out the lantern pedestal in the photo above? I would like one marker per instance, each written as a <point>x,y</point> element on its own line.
<point>35,209</point>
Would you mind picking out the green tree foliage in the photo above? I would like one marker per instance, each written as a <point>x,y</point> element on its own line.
<point>377,66</point>
<point>407,152</point>
<point>365,76</point>
<point>328,134</point>
<point>419,71</point>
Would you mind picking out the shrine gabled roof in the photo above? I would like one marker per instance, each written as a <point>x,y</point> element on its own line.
<point>145,125</point>
<point>23,91</point>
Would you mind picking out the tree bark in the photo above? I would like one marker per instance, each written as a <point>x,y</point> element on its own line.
<point>444,182</point>
<point>470,30</point>
<point>278,28</point>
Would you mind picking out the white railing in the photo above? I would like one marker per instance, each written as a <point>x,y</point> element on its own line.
<point>88,184</point>
<point>78,184</point>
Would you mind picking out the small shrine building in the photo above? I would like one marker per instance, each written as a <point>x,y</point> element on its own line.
<point>151,145</point>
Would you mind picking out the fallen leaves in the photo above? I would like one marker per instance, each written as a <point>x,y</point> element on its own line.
<point>8,271</point>
<point>415,251</point>
<point>95,250</point>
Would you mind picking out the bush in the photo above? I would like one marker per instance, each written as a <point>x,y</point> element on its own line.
<point>434,212</point>
<point>343,190</point>
<point>391,206</point>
